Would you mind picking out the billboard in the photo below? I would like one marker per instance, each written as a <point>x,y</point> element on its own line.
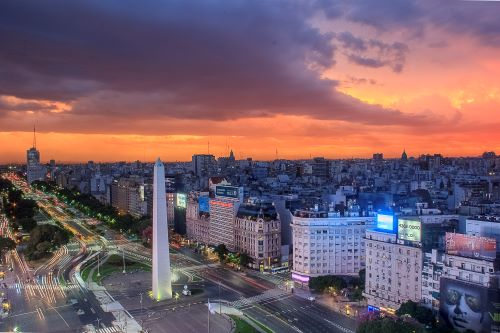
<point>471,246</point>
<point>203,203</point>
<point>410,230</point>
<point>466,306</point>
<point>227,191</point>
<point>181,200</point>
<point>385,222</point>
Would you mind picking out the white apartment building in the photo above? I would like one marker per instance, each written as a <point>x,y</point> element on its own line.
<point>326,244</point>
<point>257,233</point>
<point>393,271</point>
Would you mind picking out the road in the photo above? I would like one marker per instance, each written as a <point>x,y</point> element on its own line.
<point>48,298</point>
<point>51,291</point>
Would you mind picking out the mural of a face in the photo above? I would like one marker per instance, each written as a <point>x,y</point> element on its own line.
<point>464,307</point>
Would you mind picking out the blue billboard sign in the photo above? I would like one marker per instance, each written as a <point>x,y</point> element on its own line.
<point>204,205</point>
<point>386,222</point>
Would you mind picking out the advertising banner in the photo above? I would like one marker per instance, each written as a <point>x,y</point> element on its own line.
<point>466,306</point>
<point>227,191</point>
<point>471,246</point>
<point>410,230</point>
<point>181,200</point>
<point>204,205</point>
<point>386,222</point>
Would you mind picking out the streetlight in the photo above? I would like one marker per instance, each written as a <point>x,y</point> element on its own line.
<point>98,262</point>
<point>123,257</point>
<point>220,304</point>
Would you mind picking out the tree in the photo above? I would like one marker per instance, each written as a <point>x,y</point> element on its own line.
<point>44,238</point>
<point>245,259</point>
<point>422,314</point>
<point>6,244</point>
<point>362,278</point>
<point>386,325</point>
<point>324,282</point>
<point>221,251</point>
<point>27,223</point>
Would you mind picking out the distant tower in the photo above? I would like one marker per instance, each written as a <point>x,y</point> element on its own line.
<point>404,157</point>
<point>34,170</point>
<point>162,285</point>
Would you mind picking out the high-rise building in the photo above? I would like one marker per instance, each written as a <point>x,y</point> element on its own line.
<point>162,285</point>
<point>198,217</point>
<point>393,266</point>
<point>320,167</point>
<point>486,226</point>
<point>127,195</point>
<point>223,209</point>
<point>203,165</point>
<point>258,234</point>
<point>324,243</point>
<point>34,170</point>
<point>470,284</point>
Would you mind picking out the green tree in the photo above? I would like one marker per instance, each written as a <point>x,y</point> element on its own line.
<point>245,260</point>
<point>43,239</point>
<point>221,251</point>
<point>422,314</point>
<point>324,282</point>
<point>392,325</point>
<point>6,244</point>
<point>362,278</point>
<point>27,223</point>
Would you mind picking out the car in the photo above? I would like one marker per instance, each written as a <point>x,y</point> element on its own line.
<point>311,298</point>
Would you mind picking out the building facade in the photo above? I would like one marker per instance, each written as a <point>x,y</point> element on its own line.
<point>223,210</point>
<point>393,271</point>
<point>257,233</point>
<point>127,195</point>
<point>326,244</point>
<point>197,217</point>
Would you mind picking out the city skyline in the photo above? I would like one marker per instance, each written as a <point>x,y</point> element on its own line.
<point>310,78</point>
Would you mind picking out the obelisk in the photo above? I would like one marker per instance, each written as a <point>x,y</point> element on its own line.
<point>162,286</point>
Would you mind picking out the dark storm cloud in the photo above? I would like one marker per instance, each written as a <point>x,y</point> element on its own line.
<point>478,19</point>
<point>182,59</point>
<point>373,53</point>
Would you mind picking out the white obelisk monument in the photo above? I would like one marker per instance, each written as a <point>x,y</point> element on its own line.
<point>162,286</point>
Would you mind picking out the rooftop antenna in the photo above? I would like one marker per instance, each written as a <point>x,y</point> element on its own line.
<point>34,137</point>
<point>208,144</point>
<point>276,153</point>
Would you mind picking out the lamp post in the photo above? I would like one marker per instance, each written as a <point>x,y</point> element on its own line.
<point>220,304</point>
<point>98,263</point>
<point>123,257</point>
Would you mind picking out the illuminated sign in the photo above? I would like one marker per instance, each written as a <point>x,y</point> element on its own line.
<point>300,278</point>
<point>471,246</point>
<point>385,222</point>
<point>181,200</point>
<point>203,204</point>
<point>220,204</point>
<point>409,230</point>
<point>227,191</point>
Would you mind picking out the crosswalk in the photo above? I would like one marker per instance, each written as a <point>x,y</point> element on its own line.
<point>268,294</point>
<point>19,286</point>
<point>113,329</point>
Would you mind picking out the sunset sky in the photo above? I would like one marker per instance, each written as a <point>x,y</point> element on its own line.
<point>127,80</point>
